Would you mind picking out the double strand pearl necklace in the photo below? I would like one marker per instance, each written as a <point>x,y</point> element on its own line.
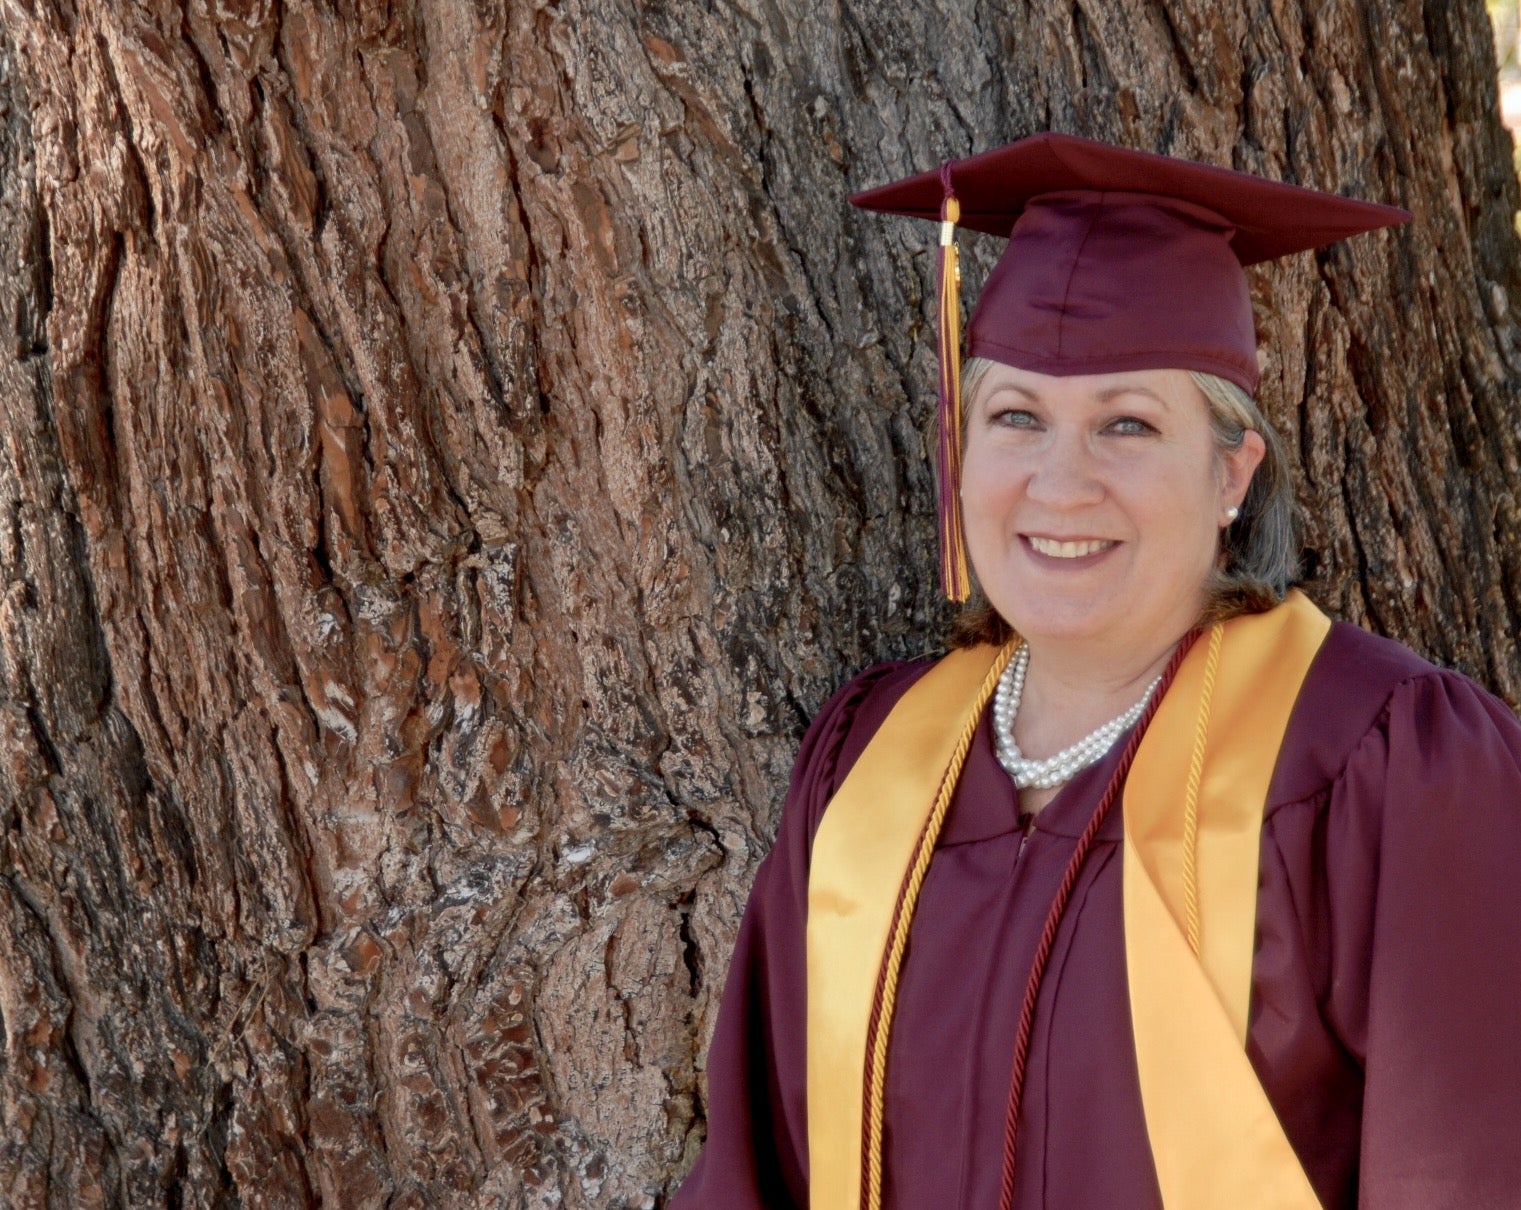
<point>1053,770</point>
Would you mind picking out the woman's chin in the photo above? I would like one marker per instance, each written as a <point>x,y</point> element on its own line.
<point>1067,626</point>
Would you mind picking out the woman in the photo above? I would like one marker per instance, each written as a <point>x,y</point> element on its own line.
<point>1187,897</point>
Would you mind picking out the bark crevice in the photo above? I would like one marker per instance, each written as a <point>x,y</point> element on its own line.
<point>446,456</point>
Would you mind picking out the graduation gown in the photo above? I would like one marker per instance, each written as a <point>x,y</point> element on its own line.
<point>1385,1019</point>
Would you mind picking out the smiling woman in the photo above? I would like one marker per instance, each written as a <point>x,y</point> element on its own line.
<point>1184,897</point>
<point>1093,508</point>
<point>1259,550</point>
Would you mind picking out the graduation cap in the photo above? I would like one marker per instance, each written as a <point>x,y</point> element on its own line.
<point>1117,260</point>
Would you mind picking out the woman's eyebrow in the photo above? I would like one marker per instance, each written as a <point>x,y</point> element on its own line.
<point>1033,396</point>
<point>1115,392</point>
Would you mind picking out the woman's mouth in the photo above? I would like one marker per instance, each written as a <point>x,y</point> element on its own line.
<point>1055,548</point>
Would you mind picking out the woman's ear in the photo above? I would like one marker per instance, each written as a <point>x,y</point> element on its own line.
<point>1240,465</point>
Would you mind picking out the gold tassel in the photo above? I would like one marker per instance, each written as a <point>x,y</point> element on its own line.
<point>955,577</point>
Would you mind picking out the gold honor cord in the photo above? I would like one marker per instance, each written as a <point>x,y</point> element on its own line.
<point>1191,796</point>
<point>879,827</point>
<point>1214,1135</point>
<point>1190,892</point>
<point>903,917</point>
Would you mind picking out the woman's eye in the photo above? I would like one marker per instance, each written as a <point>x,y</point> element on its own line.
<point>1130,426</point>
<point>1016,418</point>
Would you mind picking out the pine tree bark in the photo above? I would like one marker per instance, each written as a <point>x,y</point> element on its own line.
<point>449,451</point>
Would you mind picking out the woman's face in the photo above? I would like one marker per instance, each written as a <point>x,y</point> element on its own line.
<point>1093,504</point>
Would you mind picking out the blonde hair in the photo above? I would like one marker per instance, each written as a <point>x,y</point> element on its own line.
<point>1259,551</point>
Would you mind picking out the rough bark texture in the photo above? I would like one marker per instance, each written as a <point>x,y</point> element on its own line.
<point>449,450</point>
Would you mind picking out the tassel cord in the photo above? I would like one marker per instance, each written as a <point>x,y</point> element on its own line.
<point>955,574</point>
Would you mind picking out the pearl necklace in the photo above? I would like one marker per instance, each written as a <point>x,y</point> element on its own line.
<point>1053,770</point>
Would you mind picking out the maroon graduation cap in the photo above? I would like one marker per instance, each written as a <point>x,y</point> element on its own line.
<point>1117,260</point>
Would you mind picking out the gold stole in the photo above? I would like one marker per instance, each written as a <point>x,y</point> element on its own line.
<point>1193,819</point>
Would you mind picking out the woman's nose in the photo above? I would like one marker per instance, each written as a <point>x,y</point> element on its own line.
<point>1066,475</point>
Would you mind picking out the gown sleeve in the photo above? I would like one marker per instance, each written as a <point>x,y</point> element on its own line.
<point>1424,850</point>
<point>756,1154</point>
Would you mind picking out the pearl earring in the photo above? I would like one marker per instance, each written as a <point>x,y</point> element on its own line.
<point>1231,514</point>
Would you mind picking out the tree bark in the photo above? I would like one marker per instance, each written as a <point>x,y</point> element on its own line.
<point>450,450</point>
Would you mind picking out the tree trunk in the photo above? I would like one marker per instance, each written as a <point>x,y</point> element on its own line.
<point>450,450</point>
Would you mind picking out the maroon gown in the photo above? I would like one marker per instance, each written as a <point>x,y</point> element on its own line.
<point>1386,985</point>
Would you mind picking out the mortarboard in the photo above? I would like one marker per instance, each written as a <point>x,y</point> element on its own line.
<point>1117,260</point>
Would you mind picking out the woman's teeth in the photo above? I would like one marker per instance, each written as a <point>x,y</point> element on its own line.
<point>1069,550</point>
